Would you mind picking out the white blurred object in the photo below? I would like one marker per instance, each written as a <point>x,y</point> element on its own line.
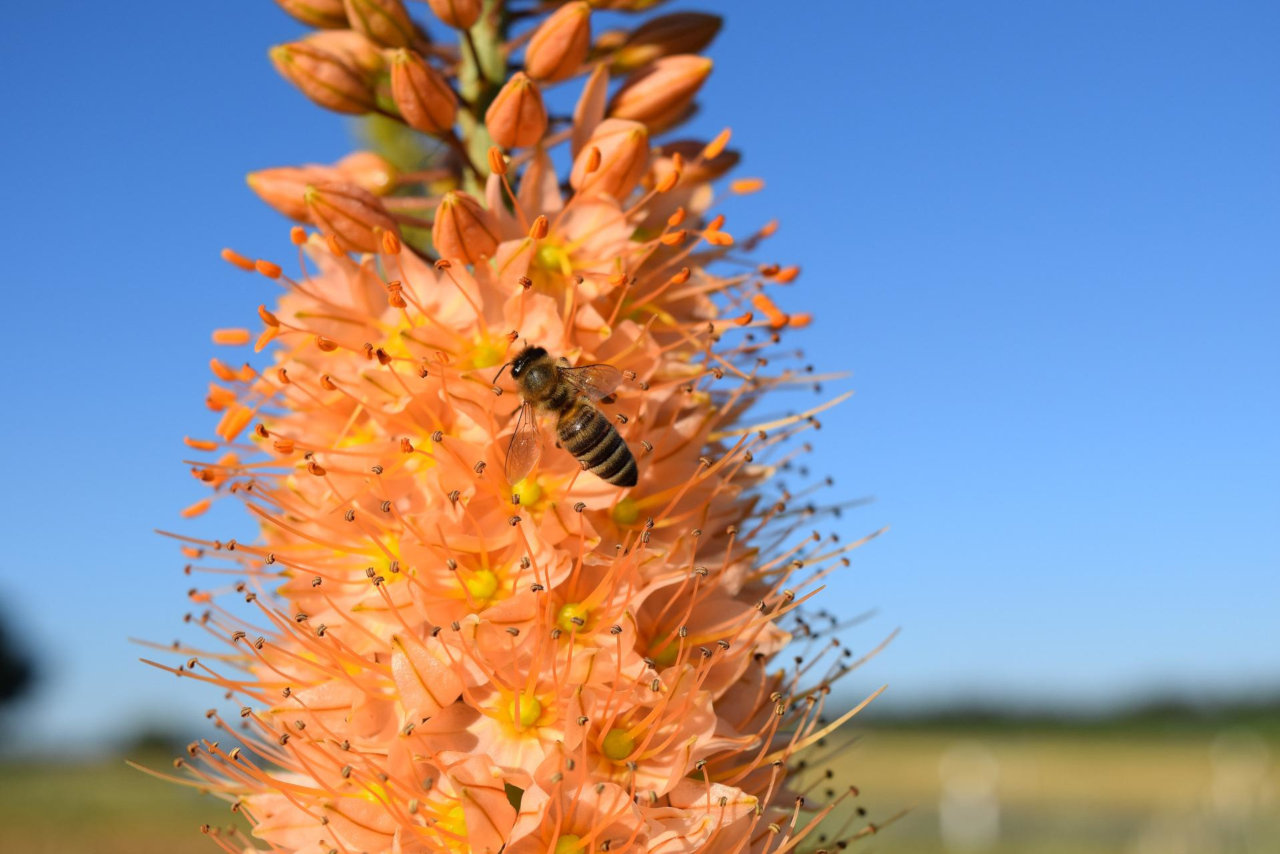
<point>969,807</point>
<point>1239,771</point>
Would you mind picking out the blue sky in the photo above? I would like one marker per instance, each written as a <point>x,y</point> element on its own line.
<point>1043,239</point>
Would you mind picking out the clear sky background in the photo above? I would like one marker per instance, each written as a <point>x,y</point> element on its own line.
<point>1045,239</point>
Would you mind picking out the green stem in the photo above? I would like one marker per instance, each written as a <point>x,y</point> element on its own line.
<point>484,68</point>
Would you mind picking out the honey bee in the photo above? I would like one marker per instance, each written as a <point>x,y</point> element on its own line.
<point>551,385</point>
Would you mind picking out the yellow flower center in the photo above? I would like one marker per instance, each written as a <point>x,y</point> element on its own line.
<point>481,585</point>
<point>553,258</point>
<point>626,512</point>
<point>569,843</point>
<point>667,656</point>
<point>486,354</point>
<point>617,745</point>
<point>453,822</point>
<point>528,491</point>
<point>571,612</point>
<point>528,712</point>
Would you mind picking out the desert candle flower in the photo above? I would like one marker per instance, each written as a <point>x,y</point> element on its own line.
<point>435,649</point>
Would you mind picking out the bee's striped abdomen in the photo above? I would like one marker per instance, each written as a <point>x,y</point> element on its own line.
<point>584,432</point>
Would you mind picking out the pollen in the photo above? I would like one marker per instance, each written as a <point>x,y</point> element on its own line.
<point>231,337</point>
<point>196,509</point>
<point>237,260</point>
<point>233,422</point>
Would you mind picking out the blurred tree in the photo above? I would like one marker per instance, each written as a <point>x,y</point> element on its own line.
<point>17,671</point>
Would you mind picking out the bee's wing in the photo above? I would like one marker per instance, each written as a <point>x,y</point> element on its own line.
<point>525,447</point>
<point>595,381</point>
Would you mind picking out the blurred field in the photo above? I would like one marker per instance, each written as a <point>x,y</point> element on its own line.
<point>1215,792</point>
<point>1070,793</point>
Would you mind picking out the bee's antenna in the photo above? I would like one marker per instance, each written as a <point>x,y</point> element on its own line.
<point>499,374</point>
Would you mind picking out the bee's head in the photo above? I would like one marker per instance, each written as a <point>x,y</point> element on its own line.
<point>527,357</point>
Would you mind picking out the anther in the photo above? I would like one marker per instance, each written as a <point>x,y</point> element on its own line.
<point>237,260</point>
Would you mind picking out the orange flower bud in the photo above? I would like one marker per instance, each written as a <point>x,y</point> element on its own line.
<point>330,14</point>
<point>517,117</point>
<point>622,151</point>
<point>348,216</point>
<point>324,77</point>
<point>463,229</point>
<point>459,14</point>
<point>666,35</point>
<point>282,188</point>
<point>358,53</point>
<point>421,93</point>
<point>386,22</point>
<point>559,47</point>
<point>371,171</point>
<point>661,93</point>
